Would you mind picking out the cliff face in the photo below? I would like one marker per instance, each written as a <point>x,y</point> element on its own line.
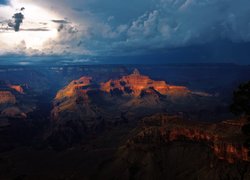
<point>170,147</point>
<point>75,87</point>
<point>134,84</point>
<point>17,88</point>
<point>74,98</point>
<point>225,139</point>
<point>14,102</point>
<point>6,97</point>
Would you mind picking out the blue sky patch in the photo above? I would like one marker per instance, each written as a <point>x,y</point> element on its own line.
<point>3,2</point>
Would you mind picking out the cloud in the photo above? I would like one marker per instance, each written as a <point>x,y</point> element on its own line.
<point>61,21</point>
<point>157,24</point>
<point>5,29</point>
<point>36,29</point>
<point>18,19</point>
<point>107,27</point>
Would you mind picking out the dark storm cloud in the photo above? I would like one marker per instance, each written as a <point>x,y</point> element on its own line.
<point>6,25</point>
<point>117,28</point>
<point>18,20</point>
<point>60,28</point>
<point>60,21</point>
<point>5,29</point>
<point>36,29</point>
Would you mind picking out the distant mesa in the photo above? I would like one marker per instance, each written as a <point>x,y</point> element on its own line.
<point>8,91</point>
<point>140,90</point>
<point>134,83</point>
<point>17,88</point>
<point>6,97</point>
<point>13,101</point>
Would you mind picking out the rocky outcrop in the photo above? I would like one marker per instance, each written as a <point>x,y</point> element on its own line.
<point>74,98</point>
<point>225,139</point>
<point>17,88</point>
<point>6,97</point>
<point>75,87</point>
<point>14,103</point>
<point>135,83</point>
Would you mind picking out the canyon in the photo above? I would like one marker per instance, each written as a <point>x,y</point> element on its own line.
<point>89,106</point>
<point>108,123</point>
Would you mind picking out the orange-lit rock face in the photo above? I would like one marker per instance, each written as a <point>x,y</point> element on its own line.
<point>230,152</point>
<point>223,150</point>
<point>76,86</point>
<point>7,97</point>
<point>133,84</point>
<point>17,88</point>
<point>69,97</point>
<point>191,134</point>
<point>222,142</point>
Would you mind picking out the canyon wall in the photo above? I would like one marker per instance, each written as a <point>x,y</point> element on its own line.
<point>224,139</point>
<point>6,97</point>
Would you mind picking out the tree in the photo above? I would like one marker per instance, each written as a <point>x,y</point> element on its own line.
<point>241,100</point>
<point>241,106</point>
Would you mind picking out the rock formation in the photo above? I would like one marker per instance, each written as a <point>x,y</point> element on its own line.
<point>6,97</point>
<point>17,88</point>
<point>14,103</point>
<point>134,84</point>
<point>80,96</point>
<point>225,139</point>
<point>76,86</point>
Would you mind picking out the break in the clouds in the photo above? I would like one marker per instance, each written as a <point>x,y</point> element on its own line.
<point>108,27</point>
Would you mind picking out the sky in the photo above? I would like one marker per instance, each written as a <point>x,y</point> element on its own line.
<point>118,31</point>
